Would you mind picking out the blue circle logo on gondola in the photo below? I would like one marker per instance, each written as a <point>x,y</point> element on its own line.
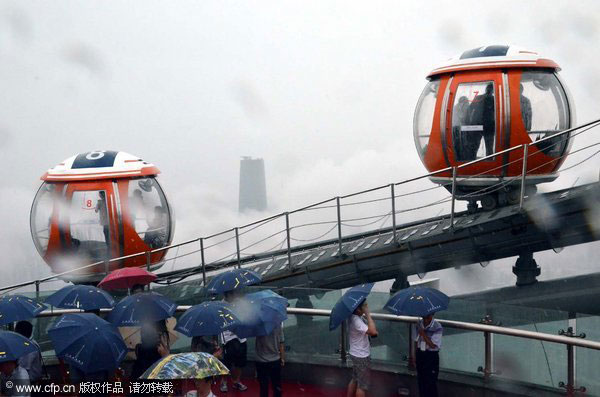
<point>96,159</point>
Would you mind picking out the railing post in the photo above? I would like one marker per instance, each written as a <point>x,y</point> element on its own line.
<point>106,267</point>
<point>412,353</point>
<point>523,173</point>
<point>287,238</point>
<point>487,370</point>
<point>393,211</point>
<point>148,259</point>
<point>453,198</point>
<point>339,220</point>
<point>237,247</point>
<point>570,371</point>
<point>37,289</point>
<point>343,353</point>
<point>203,261</point>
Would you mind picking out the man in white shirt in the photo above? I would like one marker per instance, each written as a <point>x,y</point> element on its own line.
<point>360,350</point>
<point>428,337</point>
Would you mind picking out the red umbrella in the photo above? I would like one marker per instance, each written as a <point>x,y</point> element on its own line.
<point>126,277</point>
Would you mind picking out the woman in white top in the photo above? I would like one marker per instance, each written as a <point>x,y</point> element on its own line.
<point>360,350</point>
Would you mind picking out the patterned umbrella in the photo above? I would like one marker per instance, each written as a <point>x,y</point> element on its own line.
<point>83,297</point>
<point>348,303</point>
<point>232,279</point>
<point>17,307</point>
<point>147,306</point>
<point>13,346</point>
<point>186,366</point>
<point>208,318</point>
<point>417,301</point>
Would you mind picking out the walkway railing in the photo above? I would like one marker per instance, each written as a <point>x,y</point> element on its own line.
<point>487,330</point>
<point>228,248</point>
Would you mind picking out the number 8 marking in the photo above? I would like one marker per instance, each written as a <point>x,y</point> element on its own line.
<point>97,155</point>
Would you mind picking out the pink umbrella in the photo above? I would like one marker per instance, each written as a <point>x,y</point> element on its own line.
<point>126,277</point>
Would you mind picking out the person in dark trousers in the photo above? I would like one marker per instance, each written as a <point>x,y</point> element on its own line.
<point>428,338</point>
<point>155,344</point>
<point>270,357</point>
<point>360,350</point>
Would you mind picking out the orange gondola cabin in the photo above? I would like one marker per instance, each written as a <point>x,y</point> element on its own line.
<point>100,205</point>
<point>485,101</point>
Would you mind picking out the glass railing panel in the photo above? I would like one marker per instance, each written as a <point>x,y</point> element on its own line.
<point>526,360</point>
<point>587,361</point>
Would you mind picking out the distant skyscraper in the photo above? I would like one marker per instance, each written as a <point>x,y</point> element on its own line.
<point>253,189</point>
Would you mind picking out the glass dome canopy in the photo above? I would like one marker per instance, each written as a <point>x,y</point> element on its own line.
<point>83,215</point>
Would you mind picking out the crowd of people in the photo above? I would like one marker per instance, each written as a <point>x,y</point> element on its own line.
<point>155,344</point>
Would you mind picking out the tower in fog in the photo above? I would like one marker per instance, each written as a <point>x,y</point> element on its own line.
<point>253,189</point>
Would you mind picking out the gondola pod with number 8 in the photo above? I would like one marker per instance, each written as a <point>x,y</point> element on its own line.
<point>100,205</point>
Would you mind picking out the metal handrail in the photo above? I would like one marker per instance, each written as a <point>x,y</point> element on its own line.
<point>540,336</point>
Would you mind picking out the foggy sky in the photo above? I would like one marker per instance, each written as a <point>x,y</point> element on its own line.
<point>323,91</point>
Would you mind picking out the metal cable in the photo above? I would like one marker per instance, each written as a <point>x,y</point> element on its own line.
<point>316,238</point>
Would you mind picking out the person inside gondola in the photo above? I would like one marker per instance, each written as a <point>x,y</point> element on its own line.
<point>482,113</point>
<point>156,235</point>
<point>526,112</point>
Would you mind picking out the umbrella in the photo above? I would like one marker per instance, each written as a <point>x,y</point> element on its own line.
<point>13,346</point>
<point>132,336</point>
<point>186,366</point>
<point>259,313</point>
<point>417,301</point>
<point>232,279</point>
<point>126,277</point>
<point>87,342</point>
<point>83,297</point>
<point>208,318</point>
<point>17,307</point>
<point>348,303</point>
<point>146,306</point>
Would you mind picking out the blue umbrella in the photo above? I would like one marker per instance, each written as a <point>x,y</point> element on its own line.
<point>208,318</point>
<point>232,279</point>
<point>13,346</point>
<point>142,307</point>
<point>83,297</point>
<point>259,313</point>
<point>417,301</point>
<point>88,342</point>
<point>348,303</point>
<point>17,307</point>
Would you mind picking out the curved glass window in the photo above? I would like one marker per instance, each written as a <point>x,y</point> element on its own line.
<point>474,121</point>
<point>544,110</point>
<point>41,216</point>
<point>423,120</point>
<point>149,213</point>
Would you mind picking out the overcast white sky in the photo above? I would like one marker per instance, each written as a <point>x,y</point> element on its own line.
<point>324,91</point>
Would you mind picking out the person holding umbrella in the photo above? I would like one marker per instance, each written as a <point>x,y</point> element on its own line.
<point>235,353</point>
<point>12,347</point>
<point>353,306</point>
<point>427,333</point>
